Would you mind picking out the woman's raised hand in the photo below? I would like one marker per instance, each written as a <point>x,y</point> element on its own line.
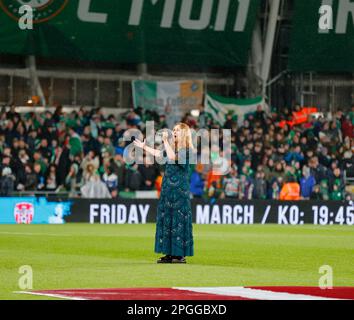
<point>165,136</point>
<point>139,144</point>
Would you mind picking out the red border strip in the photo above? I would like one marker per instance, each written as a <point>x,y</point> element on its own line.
<point>138,294</point>
<point>182,294</point>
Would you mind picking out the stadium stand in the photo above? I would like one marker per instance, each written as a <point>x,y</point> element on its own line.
<point>289,154</point>
<point>62,153</point>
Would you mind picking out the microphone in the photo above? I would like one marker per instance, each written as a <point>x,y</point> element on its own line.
<point>161,132</point>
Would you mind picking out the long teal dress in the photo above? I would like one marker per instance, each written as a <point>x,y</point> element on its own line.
<point>174,234</point>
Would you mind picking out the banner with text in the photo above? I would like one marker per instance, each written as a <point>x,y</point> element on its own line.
<point>191,32</point>
<point>318,49</point>
<point>223,212</point>
<point>31,210</point>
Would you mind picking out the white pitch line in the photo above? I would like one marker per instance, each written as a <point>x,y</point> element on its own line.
<point>51,295</point>
<point>253,293</point>
<point>57,234</point>
<point>35,234</point>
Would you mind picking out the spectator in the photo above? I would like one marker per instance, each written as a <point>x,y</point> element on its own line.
<point>149,174</point>
<point>90,173</point>
<point>307,183</point>
<point>107,149</point>
<point>348,163</point>
<point>31,178</point>
<point>324,158</point>
<point>75,143</point>
<point>95,189</point>
<point>290,190</point>
<point>294,155</point>
<point>351,115</point>
<point>274,191</point>
<point>71,180</point>
<point>90,159</point>
<point>44,149</point>
<point>197,182</point>
<point>6,161</point>
<point>278,171</point>
<point>257,156</point>
<point>347,127</point>
<point>213,176</point>
<point>214,192</point>
<point>324,189</point>
<point>7,182</point>
<point>133,178</point>
<point>40,181</point>
<point>268,169</point>
<point>158,183</point>
<point>42,162</point>
<point>51,180</point>
<point>246,188</point>
<point>316,193</point>
<point>336,193</point>
<point>119,169</point>
<point>260,186</point>
<point>111,181</point>
<point>336,179</point>
<point>317,170</point>
<point>62,161</point>
<point>32,140</point>
<point>260,116</point>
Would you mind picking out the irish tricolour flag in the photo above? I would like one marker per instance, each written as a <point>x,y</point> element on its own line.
<point>170,98</point>
<point>218,107</point>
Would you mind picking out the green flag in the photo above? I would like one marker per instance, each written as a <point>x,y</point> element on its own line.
<point>188,32</point>
<point>219,107</point>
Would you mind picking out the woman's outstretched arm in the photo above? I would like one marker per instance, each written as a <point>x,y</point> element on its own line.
<point>142,145</point>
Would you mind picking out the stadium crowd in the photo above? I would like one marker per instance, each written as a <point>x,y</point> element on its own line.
<point>82,153</point>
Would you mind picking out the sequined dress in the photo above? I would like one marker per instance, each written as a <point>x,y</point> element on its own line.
<point>174,234</point>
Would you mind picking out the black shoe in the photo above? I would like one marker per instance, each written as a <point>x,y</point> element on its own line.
<point>165,259</point>
<point>179,260</point>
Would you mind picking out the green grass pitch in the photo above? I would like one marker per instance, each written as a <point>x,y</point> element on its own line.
<point>113,256</point>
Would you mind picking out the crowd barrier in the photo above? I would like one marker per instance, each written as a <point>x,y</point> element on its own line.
<point>40,210</point>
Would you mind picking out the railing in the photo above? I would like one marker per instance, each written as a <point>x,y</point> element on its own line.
<point>77,194</point>
<point>349,181</point>
<point>47,194</point>
<point>95,89</point>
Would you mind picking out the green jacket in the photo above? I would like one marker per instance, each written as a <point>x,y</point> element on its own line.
<point>75,146</point>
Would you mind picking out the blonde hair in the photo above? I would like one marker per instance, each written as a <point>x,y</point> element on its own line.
<point>185,138</point>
